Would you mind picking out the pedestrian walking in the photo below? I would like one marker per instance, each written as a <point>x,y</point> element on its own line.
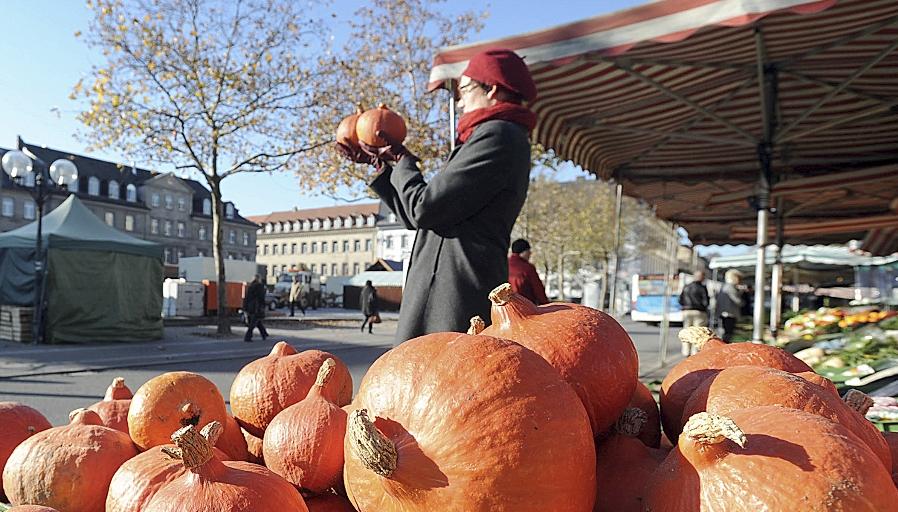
<point>694,302</point>
<point>369,302</point>
<point>522,274</point>
<point>729,303</point>
<point>254,308</point>
<point>465,213</point>
<point>296,292</point>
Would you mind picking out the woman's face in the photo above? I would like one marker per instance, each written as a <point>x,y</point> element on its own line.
<point>471,95</point>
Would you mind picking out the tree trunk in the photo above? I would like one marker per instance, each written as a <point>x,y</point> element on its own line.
<point>224,323</point>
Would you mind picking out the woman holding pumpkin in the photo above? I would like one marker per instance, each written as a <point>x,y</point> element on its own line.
<point>464,215</point>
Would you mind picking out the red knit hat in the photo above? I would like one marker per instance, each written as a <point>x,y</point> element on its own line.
<point>503,68</point>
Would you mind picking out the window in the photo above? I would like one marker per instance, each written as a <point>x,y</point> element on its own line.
<point>338,222</point>
<point>182,204</point>
<point>110,219</point>
<point>129,223</point>
<point>345,247</point>
<point>314,247</point>
<point>201,253</point>
<point>168,255</point>
<point>388,242</point>
<point>368,244</point>
<point>306,225</point>
<point>113,191</point>
<point>230,255</point>
<point>155,200</point>
<point>29,209</point>
<point>293,248</point>
<point>131,193</point>
<point>232,237</point>
<point>169,202</point>
<point>356,245</point>
<point>246,239</point>
<point>93,186</point>
<point>201,233</point>
<point>323,247</point>
<point>316,224</point>
<point>333,269</point>
<point>314,268</point>
<point>274,248</point>
<point>355,268</point>
<point>265,250</point>
<point>182,230</point>
<point>323,269</point>
<point>268,227</point>
<point>167,229</point>
<point>326,225</point>
<point>229,211</point>
<point>370,220</point>
<point>359,221</point>
<point>304,248</point>
<point>207,206</point>
<point>297,226</point>
<point>278,227</point>
<point>404,241</point>
<point>334,246</point>
<point>180,254</point>
<point>154,226</point>
<point>283,248</point>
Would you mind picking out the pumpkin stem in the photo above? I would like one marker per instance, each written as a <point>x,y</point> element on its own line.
<point>84,416</point>
<point>190,414</point>
<point>117,390</point>
<point>707,429</point>
<point>631,422</point>
<point>325,372</point>
<point>477,325</point>
<point>698,336</point>
<point>501,294</point>
<point>282,348</point>
<point>375,450</point>
<point>194,448</point>
<point>859,401</point>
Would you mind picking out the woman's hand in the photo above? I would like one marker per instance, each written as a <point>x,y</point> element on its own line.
<point>392,152</point>
<point>355,154</point>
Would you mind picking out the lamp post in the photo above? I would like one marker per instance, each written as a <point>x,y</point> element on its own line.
<point>561,272</point>
<point>19,164</point>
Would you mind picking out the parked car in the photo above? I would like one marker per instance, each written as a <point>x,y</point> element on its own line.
<point>275,300</point>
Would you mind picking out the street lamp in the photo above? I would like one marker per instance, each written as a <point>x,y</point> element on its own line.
<point>561,272</point>
<point>19,164</point>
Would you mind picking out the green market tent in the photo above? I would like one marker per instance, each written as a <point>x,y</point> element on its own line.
<point>101,284</point>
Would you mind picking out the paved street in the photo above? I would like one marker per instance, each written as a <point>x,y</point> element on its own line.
<point>57,379</point>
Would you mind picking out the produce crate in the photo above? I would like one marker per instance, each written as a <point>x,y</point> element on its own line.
<point>886,426</point>
<point>15,323</point>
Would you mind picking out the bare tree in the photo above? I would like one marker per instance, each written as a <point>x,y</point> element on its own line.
<point>217,88</point>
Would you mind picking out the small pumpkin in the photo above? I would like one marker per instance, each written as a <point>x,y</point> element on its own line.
<point>18,422</point>
<point>270,384</point>
<point>741,387</point>
<point>473,421</point>
<point>650,433</point>
<point>170,401</point>
<point>139,478</point>
<point>590,349</point>
<point>329,503</point>
<point>68,467</point>
<point>713,356</point>
<point>346,133</point>
<point>304,442</point>
<point>232,486</point>
<point>623,464</point>
<point>113,409</point>
<point>769,458</point>
<point>379,119</point>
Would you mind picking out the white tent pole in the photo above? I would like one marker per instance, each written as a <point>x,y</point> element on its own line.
<point>616,268</point>
<point>672,246</point>
<point>757,334</point>
<point>451,85</point>
<point>776,278</point>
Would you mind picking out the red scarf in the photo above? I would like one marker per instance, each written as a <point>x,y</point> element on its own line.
<point>503,110</point>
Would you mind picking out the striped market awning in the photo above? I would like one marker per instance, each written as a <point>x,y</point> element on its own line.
<point>678,100</point>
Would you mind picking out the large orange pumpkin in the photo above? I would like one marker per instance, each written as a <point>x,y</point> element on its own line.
<point>624,464</point>
<point>713,356</point>
<point>68,468</point>
<point>461,423</point>
<point>740,387</point>
<point>380,119</point>
<point>113,409</point>
<point>272,383</point>
<point>170,401</point>
<point>769,458</point>
<point>229,486</point>
<point>304,442</point>
<point>329,503</point>
<point>593,353</point>
<point>138,479</point>
<point>18,422</point>
<point>650,433</point>
<point>346,133</point>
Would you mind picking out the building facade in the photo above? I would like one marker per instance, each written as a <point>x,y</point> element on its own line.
<point>333,241</point>
<point>394,241</point>
<point>161,207</point>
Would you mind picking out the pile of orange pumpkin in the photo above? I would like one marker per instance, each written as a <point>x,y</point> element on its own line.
<point>540,411</point>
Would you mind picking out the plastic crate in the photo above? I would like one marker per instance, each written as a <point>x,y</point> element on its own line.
<point>886,426</point>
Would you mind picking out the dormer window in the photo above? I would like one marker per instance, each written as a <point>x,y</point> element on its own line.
<point>207,206</point>
<point>229,211</point>
<point>113,189</point>
<point>131,193</point>
<point>93,186</point>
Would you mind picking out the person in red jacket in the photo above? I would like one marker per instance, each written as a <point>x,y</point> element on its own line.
<point>522,274</point>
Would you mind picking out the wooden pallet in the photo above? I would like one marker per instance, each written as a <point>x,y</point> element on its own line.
<point>15,323</point>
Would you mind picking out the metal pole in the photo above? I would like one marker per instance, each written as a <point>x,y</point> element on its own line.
<point>776,280</point>
<point>561,278</point>
<point>451,85</point>
<point>672,246</point>
<point>767,88</point>
<point>612,301</point>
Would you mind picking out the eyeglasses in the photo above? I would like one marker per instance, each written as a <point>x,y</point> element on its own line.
<point>469,86</point>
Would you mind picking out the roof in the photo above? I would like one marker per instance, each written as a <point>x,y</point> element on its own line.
<point>805,256</point>
<point>382,265</point>
<point>668,99</point>
<point>72,226</point>
<point>330,212</point>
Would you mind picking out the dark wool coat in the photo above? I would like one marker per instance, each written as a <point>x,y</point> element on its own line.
<point>368,301</point>
<point>464,217</point>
